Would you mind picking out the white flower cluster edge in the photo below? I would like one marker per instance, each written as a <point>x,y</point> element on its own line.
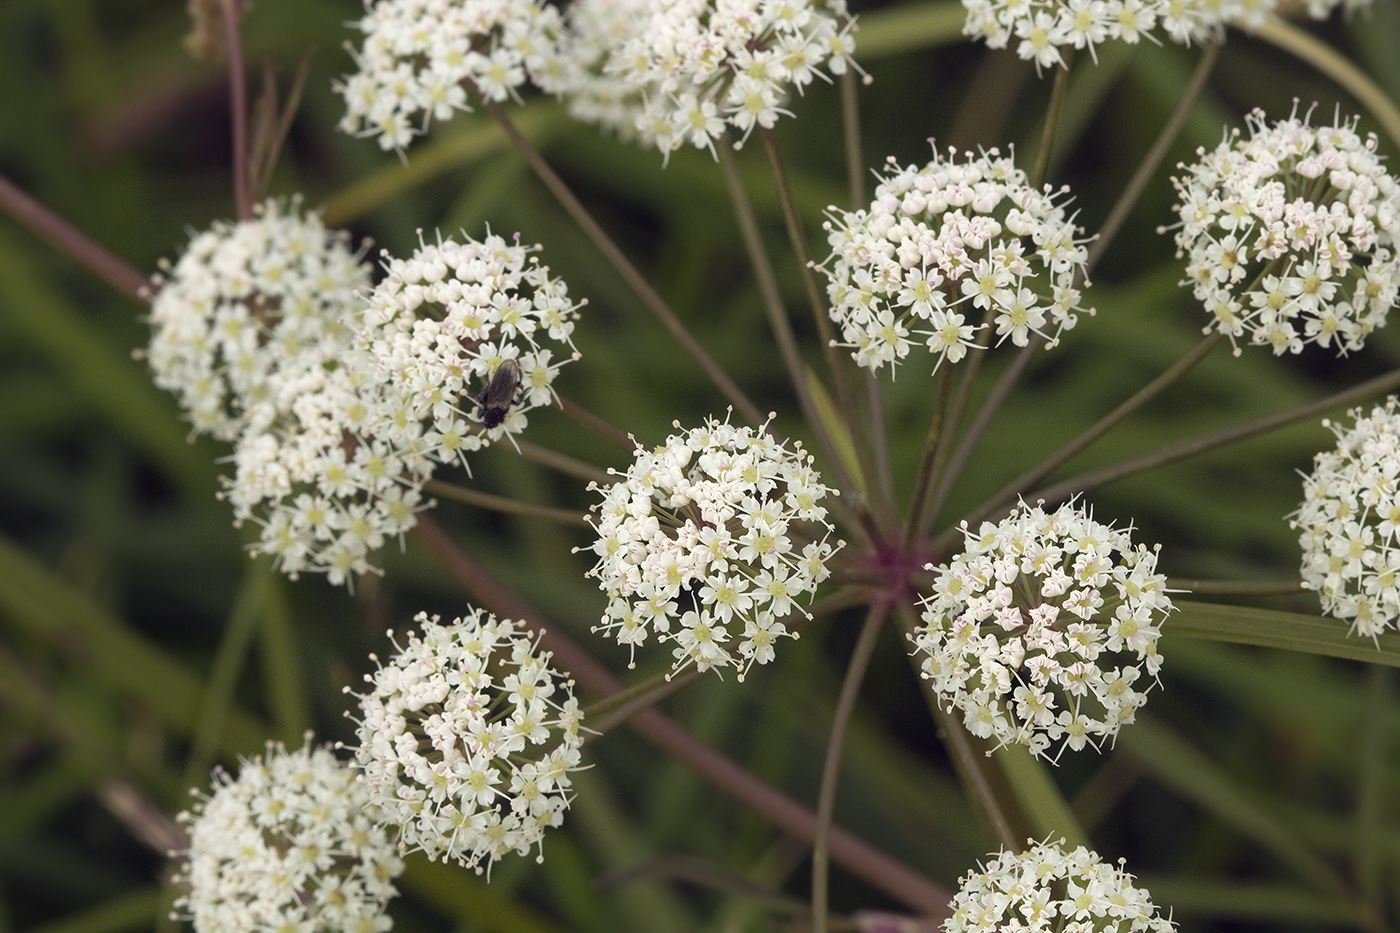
<point>1041,629</point>
<point>1349,522</point>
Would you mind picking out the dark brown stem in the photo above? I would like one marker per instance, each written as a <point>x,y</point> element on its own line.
<point>238,111</point>
<point>650,297</point>
<point>486,500</point>
<point>595,424</point>
<point>73,243</point>
<point>858,857</point>
<point>563,463</point>
<point>831,769</point>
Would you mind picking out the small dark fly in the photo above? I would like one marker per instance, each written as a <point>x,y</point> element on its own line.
<point>503,391</point>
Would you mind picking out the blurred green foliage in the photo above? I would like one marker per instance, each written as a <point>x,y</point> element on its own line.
<point>138,646</point>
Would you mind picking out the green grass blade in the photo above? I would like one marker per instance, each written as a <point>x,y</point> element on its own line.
<point>1183,768</point>
<point>1268,628</point>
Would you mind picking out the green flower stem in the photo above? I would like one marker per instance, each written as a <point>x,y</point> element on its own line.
<point>777,314</point>
<point>968,445</point>
<point>616,709</point>
<point>922,517</point>
<point>850,128</point>
<point>1052,120</point>
<point>933,442</point>
<point>1147,393</point>
<point>650,297</point>
<point>879,437</point>
<point>985,785</point>
<point>860,858</point>
<point>1171,453</point>
<point>1106,234</point>
<point>73,243</point>
<point>238,110</point>
<point>831,769</point>
<point>563,463</point>
<point>612,711</point>
<point>495,503</point>
<point>1148,167</point>
<point>1236,587</point>
<point>844,400</point>
<point>595,424</point>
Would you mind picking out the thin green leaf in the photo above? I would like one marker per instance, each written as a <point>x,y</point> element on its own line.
<point>104,375</point>
<point>836,430</point>
<point>1040,796</point>
<point>1184,769</point>
<point>36,600</point>
<point>1288,630</point>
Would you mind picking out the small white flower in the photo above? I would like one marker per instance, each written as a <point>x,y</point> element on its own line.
<point>1350,522</point>
<point>679,71</point>
<point>437,331</point>
<point>292,842</point>
<point>1040,628</point>
<point>1046,888</point>
<point>1291,236</point>
<point>417,54</point>
<point>466,740</point>
<point>947,249</point>
<point>697,543</point>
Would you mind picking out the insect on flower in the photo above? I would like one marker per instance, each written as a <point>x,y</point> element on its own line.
<point>503,391</point>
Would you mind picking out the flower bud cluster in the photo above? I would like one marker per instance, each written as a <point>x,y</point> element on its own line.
<point>467,738</point>
<point>292,843</point>
<point>1046,889</point>
<point>684,71</point>
<point>945,248</point>
<point>439,328</point>
<point>702,542</point>
<point>1290,236</point>
<point>1040,631</point>
<point>417,55</point>
<point>1044,30</point>
<point>1350,522</point>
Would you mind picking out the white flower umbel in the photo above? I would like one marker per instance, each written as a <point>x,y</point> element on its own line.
<point>466,740</point>
<point>686,71</point>
<point>710,541</point>
<point>1350,522</point>
<point>1044,30</point>
<point>291,843</point>
<point>1040,631</point>
<point>248,307</point>
<point>418,53</point>
<point>946,249</point>
<point>1046,889</point>
<point>437,332</point>
<point>1290,236</point>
